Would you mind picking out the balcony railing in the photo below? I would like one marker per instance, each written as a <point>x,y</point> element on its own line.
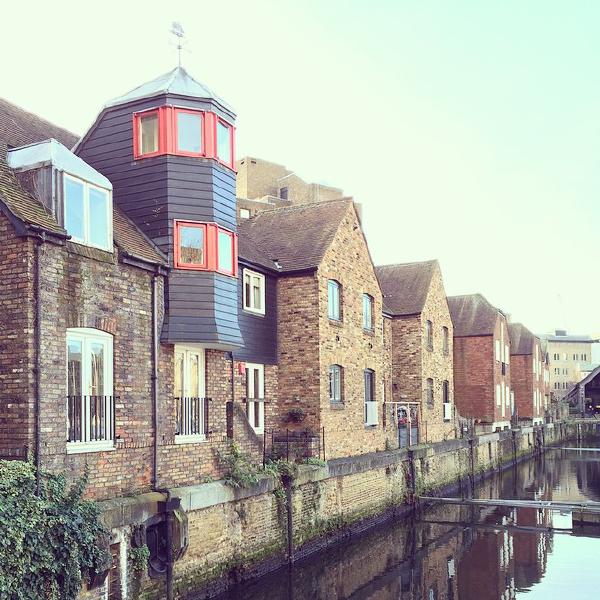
<point>90,419</point>
<point>192,416</point>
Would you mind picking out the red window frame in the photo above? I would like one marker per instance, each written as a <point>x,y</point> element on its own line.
<point>167,134</point>
<point>162,130</point>
<point>177,253</point>
<point>231,142</point>
<point>211,248</point>
<point>176,149</point>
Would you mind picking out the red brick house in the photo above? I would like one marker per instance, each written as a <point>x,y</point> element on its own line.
<point>527,374</point>
<point>422,342</point>
<point>330,348</point>
<point>482,385</point>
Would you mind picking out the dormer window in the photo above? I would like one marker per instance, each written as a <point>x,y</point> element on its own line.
<point>189,132</point>
<point>225,142</point>
<point>205,247</point>
<point>87,213</point>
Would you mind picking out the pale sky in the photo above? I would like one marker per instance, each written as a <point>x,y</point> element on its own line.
<point>469,131</point>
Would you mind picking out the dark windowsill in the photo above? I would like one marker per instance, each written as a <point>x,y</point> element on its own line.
<point>337,405</point>
<point>370,332</point>
<point>90,252</point>
<point>336,322</point>
<point>371,426</point>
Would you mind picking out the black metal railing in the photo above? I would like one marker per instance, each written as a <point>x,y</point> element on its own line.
<point>293,445</point>
<point>192,415</point>
<point>90,418</point>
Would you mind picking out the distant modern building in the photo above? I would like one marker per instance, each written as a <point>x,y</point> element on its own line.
<point>570,358</point>
<point>263,185</point>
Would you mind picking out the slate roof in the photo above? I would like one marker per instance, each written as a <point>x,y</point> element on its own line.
<point>19,127</point>
<point>576,339</point>
<point>178,81</point>
<point>297,237</point>
<point>28,210</point>
<point>405,286</point>
<point>472,315</point>
<point>521,339</point>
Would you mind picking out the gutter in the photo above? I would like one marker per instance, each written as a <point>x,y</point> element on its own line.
<point>38,359</point>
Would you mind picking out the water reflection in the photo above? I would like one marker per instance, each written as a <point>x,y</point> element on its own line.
<point>464,552</point>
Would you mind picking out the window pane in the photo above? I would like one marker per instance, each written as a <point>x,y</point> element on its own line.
<point>225,252</point>
<point>333,300</point>
<point>224,142</point>
<point>191,245</point>
<point>256,296</point>
<point>194,375</point>
<point>74,208</point>
<point>97,369</point>
<point>179,375</point>
<point>248,296</point>
<point>98,214</point>
<point>189,132</point>
<point>149,134</point>
<point>74,360</point>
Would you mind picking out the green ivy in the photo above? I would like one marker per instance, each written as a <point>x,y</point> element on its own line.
<point>50,541</point>
<point>239,472</point>
<point>138,558</point>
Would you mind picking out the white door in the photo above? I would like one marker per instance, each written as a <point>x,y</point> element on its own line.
<point>255,396</point>
<point>190,390</point>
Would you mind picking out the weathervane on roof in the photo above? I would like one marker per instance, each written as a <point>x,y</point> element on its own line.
<point>177,31</point>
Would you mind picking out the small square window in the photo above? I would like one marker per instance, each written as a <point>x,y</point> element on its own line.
<point>190,138</point>
<point>225,142</point>
<point>190,249</point>
<point>148,133</point>
<point>254,292</point>
<point>244,213</point>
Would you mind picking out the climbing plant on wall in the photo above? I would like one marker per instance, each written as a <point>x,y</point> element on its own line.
<point>51,540</point>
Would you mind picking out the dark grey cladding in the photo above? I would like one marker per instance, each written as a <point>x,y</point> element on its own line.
<point>259,331</point>
<point>201,307</point>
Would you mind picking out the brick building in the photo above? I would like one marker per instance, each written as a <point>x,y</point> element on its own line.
<point>527,374</point>
<point>330,346</point>
<point>263,185</point>
<point>422,344</point>
<point>482,388</point>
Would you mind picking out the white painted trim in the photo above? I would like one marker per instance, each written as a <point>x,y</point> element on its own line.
<point>190,439</point>
<point>82,447</point>
<point>245,303</point>
<point>260,369</point>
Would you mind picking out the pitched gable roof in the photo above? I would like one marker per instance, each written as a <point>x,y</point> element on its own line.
<point>19,127</point>
<point>472,315</point>
<point>405,286</point>
<point>521,339</point>
<point>297,237</point>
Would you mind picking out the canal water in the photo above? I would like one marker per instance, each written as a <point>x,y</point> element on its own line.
<point>464,552</point>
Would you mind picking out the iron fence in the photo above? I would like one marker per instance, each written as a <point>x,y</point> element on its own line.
<point>294,445</point>
<point>192,415</point>
<point>90,418</point>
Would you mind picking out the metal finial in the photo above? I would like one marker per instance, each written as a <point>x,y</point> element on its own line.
<point>177,31</point>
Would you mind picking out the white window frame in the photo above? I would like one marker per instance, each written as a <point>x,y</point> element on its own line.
<point>368,301</point>
<point>256,369</point>
<point>371,409</point>
<point>248,302</point>
<point>86,212</point>
<point>87,335</point>
<point>188,350</point>
<point>245,213</point>
<point>335,368</point>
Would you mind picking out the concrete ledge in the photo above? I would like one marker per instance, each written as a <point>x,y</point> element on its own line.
<point>130,510</point>
<point>196,497</point>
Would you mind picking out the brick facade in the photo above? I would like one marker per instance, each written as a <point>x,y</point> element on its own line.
<point>527,375</point>
<point>414,362</point>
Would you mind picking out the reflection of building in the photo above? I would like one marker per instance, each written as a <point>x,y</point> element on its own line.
<point>569,356</point>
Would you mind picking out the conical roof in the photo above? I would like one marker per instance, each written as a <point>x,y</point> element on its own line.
<point>178,81</point>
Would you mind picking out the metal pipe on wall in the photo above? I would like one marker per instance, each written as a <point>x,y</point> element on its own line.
<point>155,380</point>
<point>38,359</point>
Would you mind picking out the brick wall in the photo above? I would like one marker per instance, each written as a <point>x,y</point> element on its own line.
<point>16,345</point>
<point>349,345</point>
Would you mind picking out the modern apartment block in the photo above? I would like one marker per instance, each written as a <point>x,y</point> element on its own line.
<point>570,359</point>
<point>422,345</point>
<point>263,185</point>
<point>482,370</point>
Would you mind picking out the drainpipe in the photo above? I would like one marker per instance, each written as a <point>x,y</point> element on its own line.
<point>154,377</point>
<point>167,507</point>
<point>38,359</point>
